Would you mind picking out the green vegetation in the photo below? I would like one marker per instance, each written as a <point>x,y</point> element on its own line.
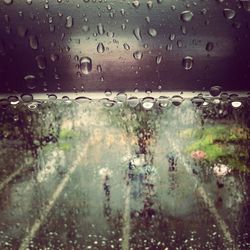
<point>222,142</point>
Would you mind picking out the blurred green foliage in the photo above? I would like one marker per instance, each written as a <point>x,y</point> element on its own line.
<point>227,143</point>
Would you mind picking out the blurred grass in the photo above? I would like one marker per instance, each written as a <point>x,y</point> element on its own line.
<point>227,143</point>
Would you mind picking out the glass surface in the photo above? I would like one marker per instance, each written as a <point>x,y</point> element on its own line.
<point>137,174</point>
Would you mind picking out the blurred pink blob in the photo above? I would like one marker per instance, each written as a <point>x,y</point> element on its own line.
<point>198,155</point>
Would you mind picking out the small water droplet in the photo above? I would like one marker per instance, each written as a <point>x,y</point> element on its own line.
<point>133,101</point>
<point>99,68</point>
<point>54,57</point>
<point>82,99</point>
<point>85,28</point>
<point>152,32</point>
<point>121,97</point>
<point>137,33</point>
<point>33,42</point>
<point>85,65</point>
<point>177,100</point>
<point>229,13</point>
<point>100,29</point>
<point>187,62</point>
<point>215,90</point>
<point>126,46</point>
<point>30,81</point>
<point>100,48</point>
<point>158,59</point>
<point>209,46</point>
<point>69,22</point>
<point>138,55</point>
<point>187,16</point>
<point>41,62</point>
<point>27,97</point>
<point>136,3</point>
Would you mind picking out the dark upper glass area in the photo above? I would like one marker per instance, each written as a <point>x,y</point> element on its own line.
<point>94,45</point>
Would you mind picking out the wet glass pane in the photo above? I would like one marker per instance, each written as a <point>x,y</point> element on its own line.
<point>166,173</point>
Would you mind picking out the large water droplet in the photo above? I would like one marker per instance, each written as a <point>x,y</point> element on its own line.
<point>229,13</point>
<point>186,16</point>
<point>187,62</point>
<point>148,103</point>
<point>85,65</point>
<point>138,55</point>
<point>100,48</point>
<point>137,33</point>
<point>69,22</point>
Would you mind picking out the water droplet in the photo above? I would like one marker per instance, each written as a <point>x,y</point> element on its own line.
<point>186,16</point>
<point>107,103</point>
<point>30,81</point>
<point>215,90</point>
<point>209,46</point>
<point>150,4</point>
<point>4,103</point>
<point>126,46</point>
<point>100,29</point>
<point>236,104</point>
<point>158,59</point>
<point>99,68</point>
<point>187,62</point>
<point>69,22</point>
<point>198,100</point>
<point>133,101</point>
<point>85,28</point>
<point>8,2</point>
<point>82,99</point>
<point>41,62</point>
<point>100,48</point>
<point>14,100</point>
<point>121,97</point>
<point>85,65</point>
<point>108,92</point>
<point>148,103</point>
<point>163,101</point>
<point>27,97</point>
<point>29,2</point>
<point>152,32</point>
<point>137,33</point>
<point>138,55</point>
<point>229,13</point>
<point>177,100</point>
<point>33,42</point>
<point>172,37</point>
<point>54,57</point>
<point>136,3</point>
<point>52,97</point>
